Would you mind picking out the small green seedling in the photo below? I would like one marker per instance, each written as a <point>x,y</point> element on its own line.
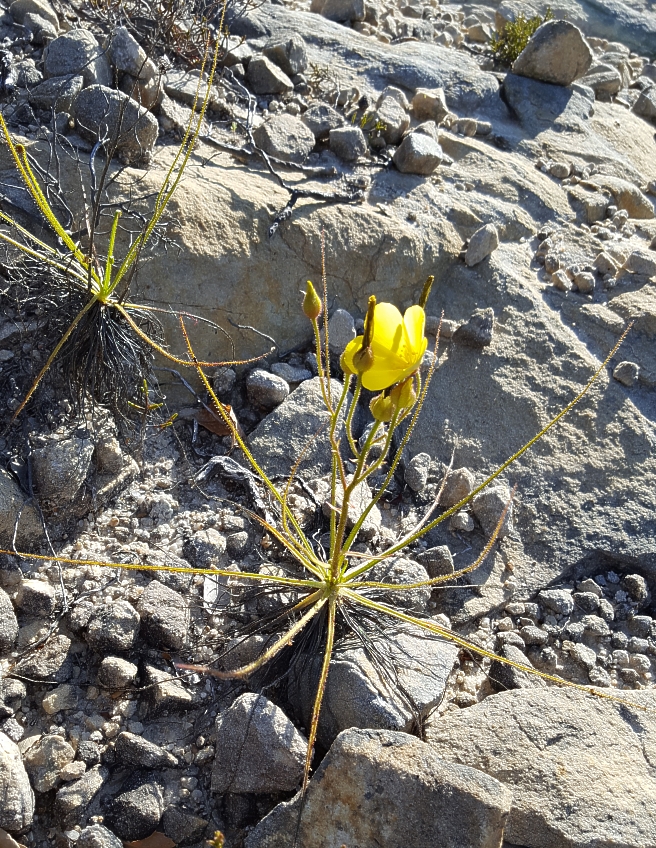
<point>513,38</point>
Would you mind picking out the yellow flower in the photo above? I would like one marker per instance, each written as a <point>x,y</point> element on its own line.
<point>397,344</point>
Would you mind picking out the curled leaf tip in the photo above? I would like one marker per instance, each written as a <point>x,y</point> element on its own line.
<point>423,299</point>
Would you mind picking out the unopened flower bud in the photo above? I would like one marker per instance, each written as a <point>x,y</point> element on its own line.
<point>363,360</point>
<point>404,395</point>
<point>312,305</point>
<point>344,365</point>
<point>382,408</point>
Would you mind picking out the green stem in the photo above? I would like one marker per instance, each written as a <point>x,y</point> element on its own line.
<point>348,423</point>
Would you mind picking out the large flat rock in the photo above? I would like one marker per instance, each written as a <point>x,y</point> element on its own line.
<point>377,787</point>
<point>582,770</point>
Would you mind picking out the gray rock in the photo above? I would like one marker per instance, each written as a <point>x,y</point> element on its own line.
<point>287,432</point>
<point>56,93</point>
<point>484,241</point>
<point>645,105</point>
<point>642,262</point>
<point>341,330</point>
<point>584,282</point>
<point>437,561</point>
<point>27,74</point>
<point>459,483</point>
<point>117,673</point>
<point>406,795</point>
<point>590,205</point>
<point>637,587</point>
<point>109,456</point>
<point>534,636</point>
<point>539,104</point>
<point>165,692</point>
<point>559,601</point>
<point>147,93</point>
<point>78,52</point>
<point>71,801</point>
<point>12,728</point>
<point>626,195</point>
<point>20,8</point>
<point>321,119</point>
<point>128,56</point>
<point>266,78</point>
<point>135,813</point>
<point>16,796</point>
<point>560,170</point>
<point>401,571</point>
<point>605,264</point>
<point>97,836</point>
<point>49,661</point>
<point>164,616</point>
<point>45,759</point>
<point>477,332</point>
<point>88,752</point>
<point>626,373</point>
<point>395,119</point>
<point>587,601</point>
<point>290,55</point>
<point>392,687</point>
<point>503,676</point>
<point>428,128</point>
<point>258,749</point>
<point>290,374</point>
<point>556,53</point>
<point>185,87</point>
<point>61,467</point>
<point>103,113</point>
<point>223,381</point>
<point>603,79</point>
<point>285,137</point>
<point>348,143</point>
<point>339,10</point>
<point>418,154</point>
<point>64,697</point>
<point>568,758</point>
<point>266,389</point>
<point>36,597</point>
<point>488,506</point>
<point>41,30</point>
<point>12,694</point>
<point>132,750</point>
<point>416,472</point>
<point>8,623</point>
<point>429,104</point>
<point>15,513</point>
<point>183,827</point>
<point>113,627</point>
<point>205,549</point>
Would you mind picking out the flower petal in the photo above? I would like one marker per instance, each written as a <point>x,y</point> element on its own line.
<point>389,330</point>
<point>415,321</point>
<point>349,352</point>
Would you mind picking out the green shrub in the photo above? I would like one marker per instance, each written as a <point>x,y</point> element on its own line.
<point>513,38</point>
